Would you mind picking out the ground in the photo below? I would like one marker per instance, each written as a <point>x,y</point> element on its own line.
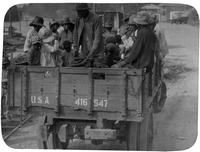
<point>175,128</point>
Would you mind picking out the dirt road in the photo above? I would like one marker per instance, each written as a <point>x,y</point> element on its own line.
<point>175,128</point>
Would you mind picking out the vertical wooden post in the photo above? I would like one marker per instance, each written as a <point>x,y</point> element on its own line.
<point>10,20</point>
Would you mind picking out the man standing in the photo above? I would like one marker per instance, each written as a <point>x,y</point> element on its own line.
<point>37,24</point>
<point>143,50</point>
<point>87,33</point>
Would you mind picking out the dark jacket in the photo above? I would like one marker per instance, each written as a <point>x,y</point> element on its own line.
<point>93,25</point>
<point>143,49</point>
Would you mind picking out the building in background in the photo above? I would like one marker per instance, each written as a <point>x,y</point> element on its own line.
<point>170,11</point>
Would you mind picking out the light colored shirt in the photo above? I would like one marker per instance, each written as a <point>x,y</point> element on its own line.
<point>163,47</point>
<point>30,34</point>
<point>47,57</point>
<point>65,36</point>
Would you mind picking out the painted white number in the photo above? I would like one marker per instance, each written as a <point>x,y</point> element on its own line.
<point>97,103</point>
<point>81,102</point>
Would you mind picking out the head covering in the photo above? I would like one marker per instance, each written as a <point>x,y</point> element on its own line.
<point>118,39</point>
<point>67,44</point>
<point>153,19</point>
<point>38,21</point>
<point>130,22</point>
<point>110,47</point>
<point>35,39</point>
<point>110,39</point>
<point>66,20</point>
<point>53,21</point>
<point>123,29</point>
<point>47,36</point>
<point>81,6</point>
<point>142,18</point>
<point>108,25</point>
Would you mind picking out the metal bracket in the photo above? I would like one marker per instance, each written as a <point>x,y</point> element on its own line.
<point>91,92</point>
<point>124,96</point>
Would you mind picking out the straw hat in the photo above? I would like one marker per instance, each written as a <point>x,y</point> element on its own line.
<point>131,21</point>
<point>53,21</point>
<point>38,21</point>
<point>47,36</point>
<point>81,6</point>
<point>142,18</point>
<point>66,20</point>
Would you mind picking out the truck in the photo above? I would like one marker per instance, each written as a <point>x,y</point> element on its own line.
<point>96,104</point>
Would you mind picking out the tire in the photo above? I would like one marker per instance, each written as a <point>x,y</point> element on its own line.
<point>53,141</point>
<point>160,98</point>
<point>140,134</point>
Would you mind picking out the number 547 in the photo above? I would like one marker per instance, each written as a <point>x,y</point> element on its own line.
<point>101,103</point>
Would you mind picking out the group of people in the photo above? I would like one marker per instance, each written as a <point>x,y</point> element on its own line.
<point>136,44</point>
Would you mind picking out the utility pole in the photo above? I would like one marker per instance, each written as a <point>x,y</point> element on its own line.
<point>94,8</point>
<point>10,20</point>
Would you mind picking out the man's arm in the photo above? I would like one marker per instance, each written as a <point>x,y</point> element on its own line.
<point>135,49</point>
<point>27,43</point>
<point>97,35</point>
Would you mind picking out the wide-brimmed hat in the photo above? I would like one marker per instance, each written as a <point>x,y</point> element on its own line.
<point>123,29</point>
<point>47,36</point>
<point>108,25</point>
<point>66,20</point>
<point>53,21</point>
<point>39,21</point>
<point>81,6</point>
<point>35,39</point>
<point>153,18</point>
<point>142,18</point>
<point>131,19</point>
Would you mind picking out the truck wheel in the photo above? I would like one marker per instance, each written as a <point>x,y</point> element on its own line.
<point>55,143</point>
<point>140,134</point>
<point>47,139</point>
<point>160,98</point>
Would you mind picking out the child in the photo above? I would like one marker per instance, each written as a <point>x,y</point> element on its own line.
<point>112,54</point>
<point>34,52</point>
<point>67,56</point>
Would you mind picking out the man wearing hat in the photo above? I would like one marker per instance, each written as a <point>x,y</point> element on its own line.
<point>34,52</point>
<point>143,50</point>
<point>87,33</point>
<point>108,27</point>
<point>67,33</point>
<point>54,25</point>
<point>37,24</point>
<point>162,43</point>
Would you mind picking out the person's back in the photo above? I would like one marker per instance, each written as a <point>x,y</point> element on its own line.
<point>162,40</point>
<point>142,52</point>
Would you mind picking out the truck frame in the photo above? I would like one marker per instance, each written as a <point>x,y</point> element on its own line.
<point>96,104</point>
